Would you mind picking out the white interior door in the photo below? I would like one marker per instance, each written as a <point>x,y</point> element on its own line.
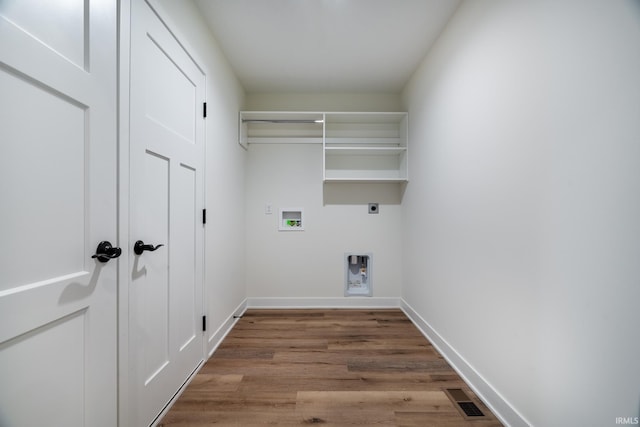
<point>167,157</point>
<point>58,360</point>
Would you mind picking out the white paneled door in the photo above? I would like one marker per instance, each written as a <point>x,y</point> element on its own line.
<point>58,183</point>
<point>166,198</point>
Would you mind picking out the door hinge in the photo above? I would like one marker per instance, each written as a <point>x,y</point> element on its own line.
<point>204,109</point>
<point>204,216</point>
<point>204,323</point>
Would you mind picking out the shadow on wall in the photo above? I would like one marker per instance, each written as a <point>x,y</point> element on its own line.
<point>339,193</point>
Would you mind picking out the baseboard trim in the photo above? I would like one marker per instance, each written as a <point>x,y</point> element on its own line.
<point>498,405</point>
<point>215,339</point>
<point>174,399</point>
<point>340,302</point>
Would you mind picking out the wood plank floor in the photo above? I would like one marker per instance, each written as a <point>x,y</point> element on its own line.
<point>327,367</point>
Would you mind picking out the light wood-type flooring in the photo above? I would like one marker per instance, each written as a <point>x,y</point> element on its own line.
<point>326,367</point>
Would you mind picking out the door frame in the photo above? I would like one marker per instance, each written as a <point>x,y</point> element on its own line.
<point>124,205</point>
<point>124,267</point>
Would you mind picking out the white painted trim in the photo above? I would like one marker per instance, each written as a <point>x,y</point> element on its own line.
<point>124,50</point>
<point>339,302</point>
<point>216,338</point>
<point>508,415</point>
<point>176,396</point>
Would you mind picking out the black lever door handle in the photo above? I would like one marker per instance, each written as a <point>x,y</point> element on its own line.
<point>139,247</point>
<point>105,252</point>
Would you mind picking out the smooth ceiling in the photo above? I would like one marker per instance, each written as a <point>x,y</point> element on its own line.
<point>326,45</point>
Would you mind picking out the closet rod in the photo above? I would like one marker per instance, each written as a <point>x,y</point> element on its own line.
<point>281,121</point>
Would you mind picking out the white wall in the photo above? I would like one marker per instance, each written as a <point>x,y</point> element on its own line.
<point>321,101</point>
<point>309,264</point>
<point>225,162</point>
<point>522,245</point>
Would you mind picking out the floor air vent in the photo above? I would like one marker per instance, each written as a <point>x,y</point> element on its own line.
<point>470,409</point>
<point>463,403</point>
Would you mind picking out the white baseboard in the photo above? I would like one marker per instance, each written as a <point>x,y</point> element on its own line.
<point>498,405</point>
<point>340,302</point>
<point>215,339</point>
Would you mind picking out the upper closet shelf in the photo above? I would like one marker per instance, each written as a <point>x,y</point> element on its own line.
<point>358,151</point>
<point>280,127</point>
<point>367,147</point>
